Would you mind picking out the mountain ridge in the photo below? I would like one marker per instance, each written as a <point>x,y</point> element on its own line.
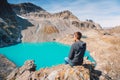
<point>63,22</point>
<point>24,8</point>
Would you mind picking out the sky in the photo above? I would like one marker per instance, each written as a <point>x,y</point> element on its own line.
<point>104,12</point>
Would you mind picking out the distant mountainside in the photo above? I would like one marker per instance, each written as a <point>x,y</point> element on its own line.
<point>47,26</point>
<point>21,20</point>
<point>29,9</point>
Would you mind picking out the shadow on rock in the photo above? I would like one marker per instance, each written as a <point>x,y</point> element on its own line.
<point>24,23</point>
<point>96,74</point>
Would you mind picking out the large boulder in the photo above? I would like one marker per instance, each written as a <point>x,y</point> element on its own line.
<point>23,72</point>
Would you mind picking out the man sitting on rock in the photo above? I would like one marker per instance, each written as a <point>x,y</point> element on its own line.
<point>77,51</point>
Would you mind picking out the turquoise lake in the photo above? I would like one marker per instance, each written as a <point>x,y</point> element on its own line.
<point>45,54</point>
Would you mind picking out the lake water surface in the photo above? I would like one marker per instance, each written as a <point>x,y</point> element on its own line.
<point>45,54</point>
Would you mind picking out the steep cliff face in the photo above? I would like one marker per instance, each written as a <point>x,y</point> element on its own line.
<point>6,11</point>
<point>48,27</point>
<point>9,30</point>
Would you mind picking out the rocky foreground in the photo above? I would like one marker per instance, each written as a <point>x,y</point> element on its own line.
<point>60,72</point>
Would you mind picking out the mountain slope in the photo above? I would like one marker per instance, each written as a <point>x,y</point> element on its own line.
<point>57,24</point>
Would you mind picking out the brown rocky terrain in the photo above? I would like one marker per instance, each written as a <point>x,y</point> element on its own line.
<point>104,46</point>
<point>60,72</point>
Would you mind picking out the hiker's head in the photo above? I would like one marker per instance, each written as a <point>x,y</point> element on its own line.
<point>77,36</point>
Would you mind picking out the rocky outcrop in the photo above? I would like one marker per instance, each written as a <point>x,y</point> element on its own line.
<point>60,72</point>
<point>65,15</point>
<point>23,73</point>
<point>86,25</point>
<point>9,30</point>
<point>6,67</point>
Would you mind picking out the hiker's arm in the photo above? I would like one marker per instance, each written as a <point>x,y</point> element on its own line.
<point>84,46</point>
<point>71,54</point>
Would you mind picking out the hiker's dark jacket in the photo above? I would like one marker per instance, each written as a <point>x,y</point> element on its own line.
<point>77,52</point>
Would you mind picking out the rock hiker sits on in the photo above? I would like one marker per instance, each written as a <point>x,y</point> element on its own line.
<point>77,51</point>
